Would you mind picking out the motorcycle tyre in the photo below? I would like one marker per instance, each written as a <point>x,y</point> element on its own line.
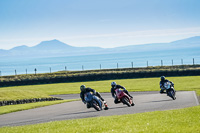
<point>125,100</point>
<point>170,93</point>
<point>96,106</point>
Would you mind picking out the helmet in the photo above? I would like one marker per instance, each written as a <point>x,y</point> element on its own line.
<point>113,84</point>
<point>162,78</point>
<point>82,87</point>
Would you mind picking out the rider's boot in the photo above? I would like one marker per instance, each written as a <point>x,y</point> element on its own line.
<point>88,105</point>
<point>105,104</point>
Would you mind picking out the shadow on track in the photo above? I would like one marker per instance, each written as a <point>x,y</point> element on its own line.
<point>78,113</point>
<point>159,101</point>
<point>118,107</point>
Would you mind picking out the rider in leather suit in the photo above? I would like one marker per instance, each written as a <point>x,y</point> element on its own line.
<point>114,87</point>
<point>85,90</point>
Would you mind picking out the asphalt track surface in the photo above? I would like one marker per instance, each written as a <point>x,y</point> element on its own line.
<point>144,102</point>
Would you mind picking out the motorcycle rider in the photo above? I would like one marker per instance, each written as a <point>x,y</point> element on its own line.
<point>164,80</point>
<point>114,87</point>
<point>85,90</point>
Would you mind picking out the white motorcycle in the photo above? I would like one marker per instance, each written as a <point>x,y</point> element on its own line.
<point>170,90</point>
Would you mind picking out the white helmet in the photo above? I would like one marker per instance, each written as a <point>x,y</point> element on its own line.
<point>113,84</point>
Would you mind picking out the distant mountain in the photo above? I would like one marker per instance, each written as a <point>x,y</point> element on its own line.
<point>193,42</point>
<point>54,48</point>
<point>50,48</point>
<point>52,45</point>
<point>23,47</point>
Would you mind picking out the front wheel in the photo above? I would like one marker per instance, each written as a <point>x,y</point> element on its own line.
<point>172,94</point>
<point>125,100</point>
<point>96,105</point>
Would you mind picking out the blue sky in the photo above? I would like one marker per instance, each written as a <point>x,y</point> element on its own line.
<point>102,23</point>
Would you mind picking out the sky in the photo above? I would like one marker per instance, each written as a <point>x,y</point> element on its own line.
<point>99,23</point>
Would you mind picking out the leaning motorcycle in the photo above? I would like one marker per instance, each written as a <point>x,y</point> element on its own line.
<point>94,101</point>
<point>124,98</point>
<point>170,90</point>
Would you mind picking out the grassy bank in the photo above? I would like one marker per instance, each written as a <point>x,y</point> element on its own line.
<point>179,121</point>
<point>189,83</point>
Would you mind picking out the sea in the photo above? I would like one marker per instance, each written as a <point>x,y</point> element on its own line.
<point>27,65</point>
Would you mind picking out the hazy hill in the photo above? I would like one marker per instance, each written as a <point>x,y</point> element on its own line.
<point>193,42</point>
<point>49,49</point>
<point>53,45</point>
<point>54,48</point>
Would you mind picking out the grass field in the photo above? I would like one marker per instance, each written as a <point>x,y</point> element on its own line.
<point>189,83</point>
<point>174,121</point>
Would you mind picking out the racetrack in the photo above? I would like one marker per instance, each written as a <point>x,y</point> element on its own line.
<point>145,102</point>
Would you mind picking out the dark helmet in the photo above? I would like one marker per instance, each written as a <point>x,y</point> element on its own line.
<point>113,84</point>
<point>82,87</point>
<point>162,78</point>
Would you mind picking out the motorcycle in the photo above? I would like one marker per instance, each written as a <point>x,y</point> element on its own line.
<point>95,102</point>
<point>170,90</point>
<point>124,98</point>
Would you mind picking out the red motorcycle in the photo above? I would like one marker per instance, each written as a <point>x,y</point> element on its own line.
<point>124,98</point>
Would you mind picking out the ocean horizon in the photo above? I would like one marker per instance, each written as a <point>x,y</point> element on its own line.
<point>21,65</point>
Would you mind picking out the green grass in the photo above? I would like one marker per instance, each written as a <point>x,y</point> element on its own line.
<point>20,107</point>
<point>18,93</point>
<point>189,83</point>
<point>179,121</point>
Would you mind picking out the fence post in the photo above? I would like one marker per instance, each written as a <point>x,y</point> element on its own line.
<point>50,69</point>
<point>65,68</point>
<point>0,73</point>
<point>35,70</point>
<point>26,71</point>
<point>161,62</point>
<point>100,66</point>
<point>147,63</point>
<point>15,72</point>
<point>82,67</point>
<point>132,64</point>
<point>172,62</point>
<point>181,61</point>
<point>117,65</point>
<point>193,61</point>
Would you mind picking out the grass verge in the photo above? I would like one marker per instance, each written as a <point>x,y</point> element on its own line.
<point>179,121</point>
<point>186,83</point>
<point>20,107</point>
